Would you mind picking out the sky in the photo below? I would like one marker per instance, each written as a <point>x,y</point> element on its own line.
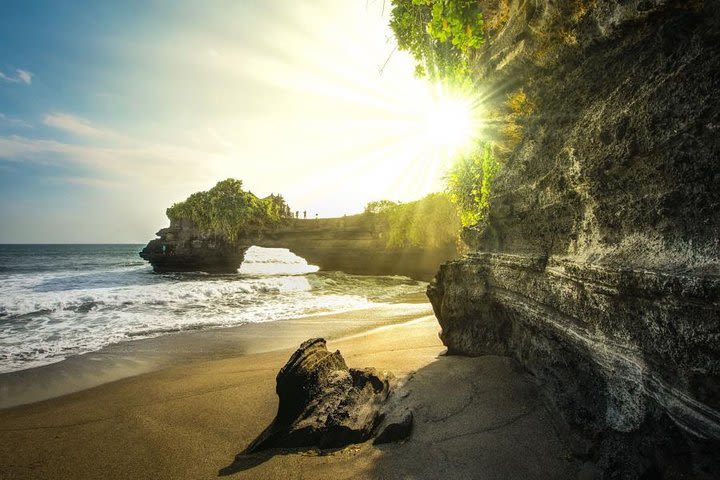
<point>112,111</point>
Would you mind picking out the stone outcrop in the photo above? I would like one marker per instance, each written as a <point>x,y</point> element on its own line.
<point>353,244</point>
<point>598,264</point>
<point>323,403</point>
<point>181,248</point>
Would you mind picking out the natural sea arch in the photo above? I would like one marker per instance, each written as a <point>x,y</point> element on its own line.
<point>351,244</point>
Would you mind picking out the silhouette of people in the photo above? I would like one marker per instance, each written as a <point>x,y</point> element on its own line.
<point>297,213</point>
<point>305,214</point>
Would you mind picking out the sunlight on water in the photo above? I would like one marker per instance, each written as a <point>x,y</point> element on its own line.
<point>274,261</point>
<point>58,301</point>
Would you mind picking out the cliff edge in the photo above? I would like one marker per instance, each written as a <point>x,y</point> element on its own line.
<point>356,244</point>
<point>597,265</point>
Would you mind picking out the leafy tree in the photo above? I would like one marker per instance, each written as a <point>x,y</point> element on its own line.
<point>228,210</point>
<point>429,222</point>
<point>380,206</point>
<point>442,35</point>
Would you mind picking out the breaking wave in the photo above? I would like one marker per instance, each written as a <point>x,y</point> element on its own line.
<point>48,314</point>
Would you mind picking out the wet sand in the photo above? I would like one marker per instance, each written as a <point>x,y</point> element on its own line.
<point>136,357</point>
<point>474,417</point>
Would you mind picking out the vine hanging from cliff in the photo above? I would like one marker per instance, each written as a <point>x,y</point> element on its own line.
<point>442,35</point>
<point>468,184</point>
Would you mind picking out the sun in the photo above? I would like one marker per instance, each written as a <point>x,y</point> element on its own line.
<point>450,121</point>
<point>430,127</point>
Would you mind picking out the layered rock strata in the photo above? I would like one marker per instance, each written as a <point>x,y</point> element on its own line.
<point>629,357</point>
<point>597,266</point>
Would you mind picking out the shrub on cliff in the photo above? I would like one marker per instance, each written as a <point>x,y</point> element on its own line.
<point>468,184</point>
<point>442,35</point>
<point>429,222</point>
<point>228,210</point>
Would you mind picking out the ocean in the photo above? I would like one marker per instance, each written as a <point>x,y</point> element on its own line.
<point>58,301</point>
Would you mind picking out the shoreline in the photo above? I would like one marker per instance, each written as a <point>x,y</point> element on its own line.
<point>145,355</point>
<point>189,420</point>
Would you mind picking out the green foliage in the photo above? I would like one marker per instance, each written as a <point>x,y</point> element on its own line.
<point>429,222</point>
<point>380,206</point>
<point>228,210</point>
<point>409,22</point>
<point>442,35</point>
<point>469,183</point>
<point>460,22</point>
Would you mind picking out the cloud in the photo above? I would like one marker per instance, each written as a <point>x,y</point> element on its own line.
<point>148,162</point>
<point>21,76</point>
<point>14,122</point>
<point>77,126</point>
<point>25,76</point>
<point>114,153</point>
<point>88,182</point>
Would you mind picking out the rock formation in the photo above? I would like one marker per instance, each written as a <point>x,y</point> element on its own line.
<point>597,266</point>
<point>352,244</point>
<point>182,248</point>
<point>325,404</point>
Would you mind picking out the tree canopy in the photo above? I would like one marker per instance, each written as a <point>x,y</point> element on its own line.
<point>442,35</point>
<point>228,210</point>
<point>445,37</point>
<point>429,222</point>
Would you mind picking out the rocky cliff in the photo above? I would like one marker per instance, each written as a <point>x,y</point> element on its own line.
<point>355,244</point>
<point>598,263</point>
<point>181,247</point>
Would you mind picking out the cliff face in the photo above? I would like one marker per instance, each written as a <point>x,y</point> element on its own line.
<point>355,244</point>
<point>598,264</point>
<point>182,248</point>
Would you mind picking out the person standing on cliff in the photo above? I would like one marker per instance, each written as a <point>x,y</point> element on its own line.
<point>305,214</point>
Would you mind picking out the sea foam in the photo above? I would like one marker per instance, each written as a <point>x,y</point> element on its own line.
<point>48,315</point>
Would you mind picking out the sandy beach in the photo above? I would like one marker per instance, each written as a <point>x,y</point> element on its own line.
<point>193,401</point>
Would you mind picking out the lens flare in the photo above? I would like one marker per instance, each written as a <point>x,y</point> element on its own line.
<point>450,123</point>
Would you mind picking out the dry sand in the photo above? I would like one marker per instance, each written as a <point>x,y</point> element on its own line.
<point>474,417</point>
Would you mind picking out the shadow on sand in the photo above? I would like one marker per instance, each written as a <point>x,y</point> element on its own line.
<point>246,462</point>
<point>473,416</point>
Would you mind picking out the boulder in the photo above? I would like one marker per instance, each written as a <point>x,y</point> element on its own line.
<point>323,403</point>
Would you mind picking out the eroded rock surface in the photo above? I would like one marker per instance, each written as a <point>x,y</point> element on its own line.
<point>352,244</point>
<point>324,403</point>
<point>182,248</point>
<point>598,264</point>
